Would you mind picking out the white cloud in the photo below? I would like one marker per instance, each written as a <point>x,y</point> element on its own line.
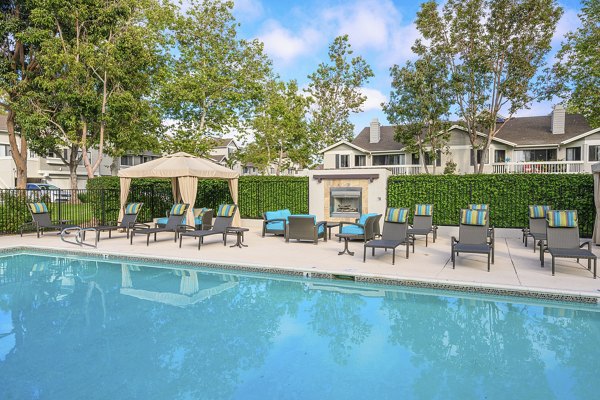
<point>374,99</point>
<point>284,45</point>
<point>567,23</point>
<point>248,9</point>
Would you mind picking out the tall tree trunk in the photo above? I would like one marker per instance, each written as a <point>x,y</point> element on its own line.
<point>19,153</point>
<point>73,164</point>
<point>279,161</point>
<point>422,159</point>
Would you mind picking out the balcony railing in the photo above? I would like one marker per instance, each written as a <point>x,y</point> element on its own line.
<point>400,169</point>
<point>538,167</point>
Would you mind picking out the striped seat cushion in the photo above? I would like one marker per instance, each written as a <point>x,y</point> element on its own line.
<point>478,207</point>
<point>226,210</point>
<point>423,209</point>
<point>398,215</point>
<point>538,211</point>
<point>473,217</point>
<point>178,209</point>
<point>562,219</point>
<point>133,208</point>
<point>38,208</point>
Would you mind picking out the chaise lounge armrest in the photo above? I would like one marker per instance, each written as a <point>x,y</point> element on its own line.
<point>350,223</point>
<point>588,244</point>
<point>266,221</point>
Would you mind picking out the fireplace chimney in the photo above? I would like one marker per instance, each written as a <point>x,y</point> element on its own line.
<point>558,119</point>
<point>375,131</point>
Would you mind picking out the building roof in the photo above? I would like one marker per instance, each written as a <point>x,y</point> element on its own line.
<point>538,130</point>
<point>217,158</point>
<point>3,127</point>
<point>224,142</point>
<point>387,142</point>
<point>522,131</point>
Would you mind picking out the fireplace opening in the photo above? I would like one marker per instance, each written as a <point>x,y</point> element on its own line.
<point>345,202</point>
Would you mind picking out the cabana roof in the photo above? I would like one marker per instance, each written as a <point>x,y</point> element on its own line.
<point>179,165</point>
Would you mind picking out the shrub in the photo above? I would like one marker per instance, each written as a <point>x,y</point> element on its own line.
<point>508,195</point>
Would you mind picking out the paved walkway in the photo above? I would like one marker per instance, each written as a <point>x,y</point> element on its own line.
<point>516,267</point>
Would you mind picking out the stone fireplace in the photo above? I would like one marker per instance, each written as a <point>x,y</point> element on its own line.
<point>345,202</point>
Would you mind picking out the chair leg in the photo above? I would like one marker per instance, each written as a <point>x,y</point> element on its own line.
<point>453,260</point>
<point>131,238</point>
<point>199,243</point>
<point>488,262</point>
<point>426,240</point>
<point>394,256</point>
<point>595,261</point>
<point>148,239</point>
<point>373,251</point>
<point>552,265</point>
<point>180,239</point>
<point>407,248</point>
<point>365,253</point>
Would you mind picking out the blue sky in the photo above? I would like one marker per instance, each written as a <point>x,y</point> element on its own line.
<point>297,33</point>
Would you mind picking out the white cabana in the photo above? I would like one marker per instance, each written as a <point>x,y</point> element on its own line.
<point>596,172</point>
<point>184,171</point>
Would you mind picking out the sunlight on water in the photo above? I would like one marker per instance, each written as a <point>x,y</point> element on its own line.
<point>75,329</point>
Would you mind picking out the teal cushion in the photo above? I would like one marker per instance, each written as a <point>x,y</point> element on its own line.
<point>279,214</point>
<point>163,221</point>
<point>363,218</point>
<point>353,230</point>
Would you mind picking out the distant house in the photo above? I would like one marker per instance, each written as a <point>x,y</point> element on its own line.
<point>555,143</point>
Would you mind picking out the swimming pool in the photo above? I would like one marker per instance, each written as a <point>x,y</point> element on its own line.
<point>74,328</point>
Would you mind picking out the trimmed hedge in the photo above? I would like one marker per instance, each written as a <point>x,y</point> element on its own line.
<point>508,195</point>
<point>256,195</point>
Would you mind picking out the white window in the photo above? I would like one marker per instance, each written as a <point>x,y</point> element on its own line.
<point>594,153</point>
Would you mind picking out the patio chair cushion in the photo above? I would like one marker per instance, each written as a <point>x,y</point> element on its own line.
<point>363,218</point>
<point>473,217</point>
<point>177,209</point>
<point>353,230</point>
<point>133,208</point>
<point>424,209</point>
<point>562,219</point>
<point>279,214</point>
<point>478,206</point>
<point>38,208</point>
<point>163,220</point>
<point>536,212</point>
<point>226,210</point>
<point>398,215</point>
<point>314,217</point>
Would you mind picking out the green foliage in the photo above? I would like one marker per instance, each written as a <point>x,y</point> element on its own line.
<point>576,74</point>
<point>493,49</point>
<point>257,194</point>
<point>335,91</point>
<point>280,129</point>
<point>216,79</point>
<point>508,195</point>
<point>419,106</point>
<point>13,210</point>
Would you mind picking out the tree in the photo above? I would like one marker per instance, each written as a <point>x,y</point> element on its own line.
<point>493,49</point>
<point>419,106</point>
<point>98,62</point>
<point>280,128</point>
<point>335,90</point>
<point>18,65</point>
<point>576,74</point>
<point>216,79</point>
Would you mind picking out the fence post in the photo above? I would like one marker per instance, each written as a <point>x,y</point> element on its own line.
<point>59,204</point>
<point>103,207</point>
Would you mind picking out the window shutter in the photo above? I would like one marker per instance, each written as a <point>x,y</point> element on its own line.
<point>337,161</point>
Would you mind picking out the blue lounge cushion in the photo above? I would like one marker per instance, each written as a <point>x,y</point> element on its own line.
<point>363,218</point>
<point>353,230</point>
<point>163,221</point>
<point>279,214</point>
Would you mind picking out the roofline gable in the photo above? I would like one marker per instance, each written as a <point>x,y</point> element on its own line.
<point>462,128</point>
<point>580,136</point>
<point>341,142</point>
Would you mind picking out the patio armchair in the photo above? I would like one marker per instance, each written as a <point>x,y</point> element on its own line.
<point>305,227</point>
<point>40,216</point>
<point>173,224</point>
<point>203,218</point>
<point>537,225</point>
<point>129,221</point>
<point>274,222</point>
<point>395,233</point>
<point>224,219</point>
<point>364,228</point>
<point>423,223</point>
<point>473,236</point>
<point>563,239</point>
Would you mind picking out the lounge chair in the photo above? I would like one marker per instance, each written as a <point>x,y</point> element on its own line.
<point>203,218</point>
<point>395,233</point>
<point>274,222</point>
<point>473,236</point>
<point>563,239</point>
<point>223,221</point>
<point>364,228</point>
<point>129,221</point>
<point>423,223</point>
<point>537,225</point>
<point>41,220</point>
<point>173,224</point>
<point>305,227</point>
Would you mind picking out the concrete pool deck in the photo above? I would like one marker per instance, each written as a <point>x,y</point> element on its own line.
<point>516,267</point>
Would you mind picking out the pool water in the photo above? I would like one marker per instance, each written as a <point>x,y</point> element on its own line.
<point>89,329</point>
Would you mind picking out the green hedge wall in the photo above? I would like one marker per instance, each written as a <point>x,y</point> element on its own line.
<point>256,195</point>
<point>508,195</point>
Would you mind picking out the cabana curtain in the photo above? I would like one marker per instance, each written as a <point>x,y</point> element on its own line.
<point>184,171</point>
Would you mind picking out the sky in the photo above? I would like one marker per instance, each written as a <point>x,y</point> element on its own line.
<point>296,35</point>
